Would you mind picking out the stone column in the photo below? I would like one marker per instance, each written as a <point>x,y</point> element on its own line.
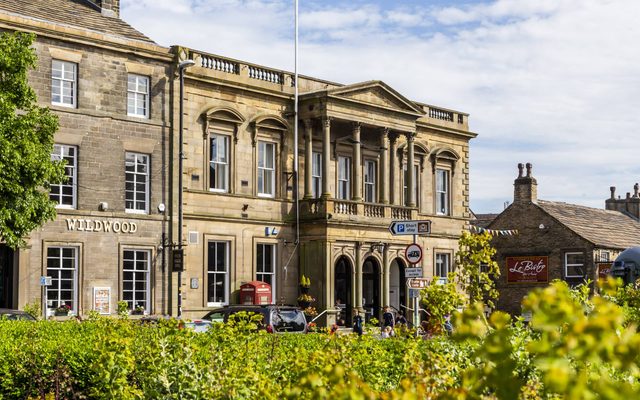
<point>356,168</point>
<point>308,159</point>
<point>326,156</point>
<point>393,169</point>
<point>411,179</point>
<point>384,167</point>
<point>385,277</point>
<point>358,277</point>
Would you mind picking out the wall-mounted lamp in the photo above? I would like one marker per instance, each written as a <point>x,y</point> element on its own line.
<point>245,207</point>
<point>103,206</point>
<point>378,246</point>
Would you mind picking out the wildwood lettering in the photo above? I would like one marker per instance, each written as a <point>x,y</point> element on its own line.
<point>529,269</point>
<point>97,225</point>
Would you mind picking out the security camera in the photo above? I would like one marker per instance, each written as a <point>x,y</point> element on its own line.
<point>161,208</point>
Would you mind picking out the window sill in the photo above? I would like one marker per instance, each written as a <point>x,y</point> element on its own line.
<point>138,116</point>
<point>139,212</point>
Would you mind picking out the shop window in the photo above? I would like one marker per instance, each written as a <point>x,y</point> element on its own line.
<point>266,266</point>
<point>217,273</point>
<point>62,267</point>
<point>136,279</point>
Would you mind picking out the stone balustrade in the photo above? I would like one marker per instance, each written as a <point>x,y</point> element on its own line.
<point>230,66</point>
<point>336,210</point>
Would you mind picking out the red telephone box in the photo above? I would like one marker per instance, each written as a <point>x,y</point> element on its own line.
<point>255,292</point>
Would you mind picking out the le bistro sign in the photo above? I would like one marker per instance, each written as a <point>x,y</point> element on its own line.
<point>528,269</point>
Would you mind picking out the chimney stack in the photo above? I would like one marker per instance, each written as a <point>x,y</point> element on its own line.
<point>525,187</point>
<point>109,8</point>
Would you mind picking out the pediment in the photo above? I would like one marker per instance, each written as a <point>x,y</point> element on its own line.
<point>376,93</point>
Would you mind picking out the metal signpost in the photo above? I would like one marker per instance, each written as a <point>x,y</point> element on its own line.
<point>44,282</point>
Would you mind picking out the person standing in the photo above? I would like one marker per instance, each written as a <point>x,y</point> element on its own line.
<point>357,322</point>
<point>387,318</point>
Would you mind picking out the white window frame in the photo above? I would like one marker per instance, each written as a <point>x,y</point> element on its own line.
<point>567,265</point>
<point>74,285</point>
<point>344,178</point>
<point>135,95</point>
<point>59,82</point>
<point>260,267</point>
<point>605,256</point>
<point>439,264</point>
<point>216,162</point>
<point>443,192</point>
<point>264,170</point>
<point>213,274</point>
<point>316,175</point>
<point>134,302</point>
<point>71,172</point>
<point>133,177</point>
<point>370,181</point>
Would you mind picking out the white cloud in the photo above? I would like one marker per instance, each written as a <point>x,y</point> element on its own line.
<point>553,82</point>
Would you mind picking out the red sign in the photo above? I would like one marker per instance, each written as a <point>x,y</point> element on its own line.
<point>604,269</point>
<point>528,269</point>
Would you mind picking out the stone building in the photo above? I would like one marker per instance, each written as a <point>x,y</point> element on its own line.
<point>555,241</point>
<point>368,156</point>
<point>109,86</point>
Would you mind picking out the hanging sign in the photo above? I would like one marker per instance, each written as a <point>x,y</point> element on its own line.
<point>528,269</point>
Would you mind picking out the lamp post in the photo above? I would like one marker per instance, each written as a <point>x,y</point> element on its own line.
<point>181,67</point>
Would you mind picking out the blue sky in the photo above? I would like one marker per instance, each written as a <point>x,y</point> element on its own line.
<point>551,82</point>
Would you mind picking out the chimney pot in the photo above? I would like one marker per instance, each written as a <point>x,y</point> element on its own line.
<point>525,187</point>
<point>613,192</point>
<point>529,170</point>
<point>636,188</point>
<point>520,168</point>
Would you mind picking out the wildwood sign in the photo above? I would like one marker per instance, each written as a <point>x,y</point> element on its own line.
<point>98,225</point>
<point>528,269</point>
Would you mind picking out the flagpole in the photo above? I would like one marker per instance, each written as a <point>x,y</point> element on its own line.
<point>295,132</point>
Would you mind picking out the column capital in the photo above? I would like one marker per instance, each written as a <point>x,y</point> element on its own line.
<point>393,137</point>
<point>411,136</point>
<point>356,125</point>
<point>326,122</point>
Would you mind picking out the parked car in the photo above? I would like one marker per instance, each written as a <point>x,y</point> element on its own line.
<point>278,319</point>
<point>198,325</point>
<point>15,315</point>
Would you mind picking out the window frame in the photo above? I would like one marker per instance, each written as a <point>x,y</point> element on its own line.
<point>75,271</point>
<point>264,170</point>
<point>146,95</point>
<point>273,273</point>
<point>344,178</point>
<point>437,269</point>
<point>370,184</point>
<point>147,280</point>
<point>135,182</point>
<point>226,274</point>
<point>60,83</point>
<point>227,164</point>
<point>74,176</point>
<point>567,265</point>
<point>442,195</point>
<point>316,174</point>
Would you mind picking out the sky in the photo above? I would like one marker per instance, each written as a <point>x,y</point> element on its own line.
<point>551,82</point>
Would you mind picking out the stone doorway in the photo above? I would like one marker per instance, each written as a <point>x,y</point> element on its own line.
<point>397,285</point>
<point>343,290</point>
<point>371,288</point>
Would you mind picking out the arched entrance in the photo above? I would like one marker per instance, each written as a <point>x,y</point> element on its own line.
<point>342,287</point>
<point>371,288</point>
<point>397,285</point>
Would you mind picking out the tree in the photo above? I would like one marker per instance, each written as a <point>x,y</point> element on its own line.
<point>475,268</point>
<point>26,143</point>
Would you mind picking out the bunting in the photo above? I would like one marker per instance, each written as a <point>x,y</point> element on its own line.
<point>493,232</point>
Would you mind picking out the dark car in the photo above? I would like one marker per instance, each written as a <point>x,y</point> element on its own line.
<point>15,315</point>
<point>278,319</point>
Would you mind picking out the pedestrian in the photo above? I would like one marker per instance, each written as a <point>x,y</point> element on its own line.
<point>400,319</point>
<point>357,322</point>
<point>387,332</point>
<point>387,318</point>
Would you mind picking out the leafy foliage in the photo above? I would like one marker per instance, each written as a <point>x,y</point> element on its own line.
<point>476,271</point>
<point>26,143</point>
<point>440,300</point>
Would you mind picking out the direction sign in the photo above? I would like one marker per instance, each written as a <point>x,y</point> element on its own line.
<point>413,272</point>
<point>410,227</point>
<point>413,253</point>
<point>417,283</point>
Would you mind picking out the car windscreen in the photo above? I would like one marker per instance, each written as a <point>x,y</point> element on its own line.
<point>20,317</point>
<point>288,320</point>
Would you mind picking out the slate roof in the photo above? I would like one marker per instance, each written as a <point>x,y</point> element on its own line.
<point>75,13</point>
<point>483,220</point>
<point>604,228</point>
